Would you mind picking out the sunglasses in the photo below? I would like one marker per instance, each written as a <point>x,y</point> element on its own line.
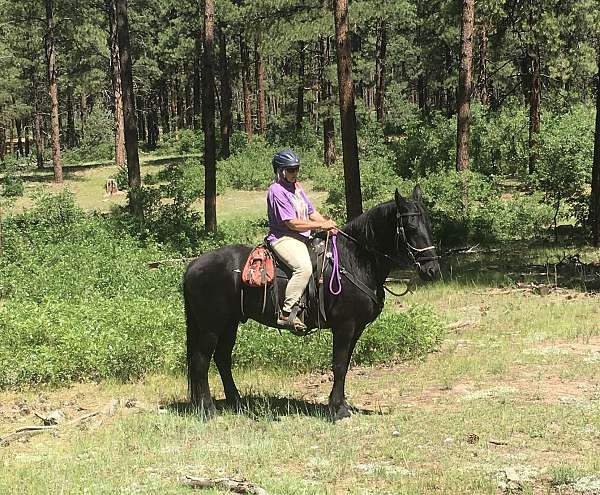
<point>292,169</point>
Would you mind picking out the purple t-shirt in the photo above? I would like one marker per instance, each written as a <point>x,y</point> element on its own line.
<point>286,201</point>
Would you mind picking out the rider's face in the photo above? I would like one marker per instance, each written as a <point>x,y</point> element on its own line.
<point>290,174</point>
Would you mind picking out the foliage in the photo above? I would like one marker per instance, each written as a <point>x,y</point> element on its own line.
<point>563,168</point>
<point>12,183</point>
<point>97,142</point>
<point>182,142</point>
<point>392,335</point>
<point>250,169</point>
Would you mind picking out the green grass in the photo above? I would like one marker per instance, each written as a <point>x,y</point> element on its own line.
<point>508,403</point>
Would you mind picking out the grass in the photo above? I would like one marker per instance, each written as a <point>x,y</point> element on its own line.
<point>508,404</point>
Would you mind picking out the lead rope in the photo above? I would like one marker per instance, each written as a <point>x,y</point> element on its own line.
<point>335,273</point>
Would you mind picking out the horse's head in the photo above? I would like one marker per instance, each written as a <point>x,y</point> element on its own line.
<point>413,233</point>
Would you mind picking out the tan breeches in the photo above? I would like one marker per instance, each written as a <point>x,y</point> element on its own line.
<point>294,253</point>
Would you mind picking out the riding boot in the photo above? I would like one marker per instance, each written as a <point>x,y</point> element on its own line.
<point>291,321</point>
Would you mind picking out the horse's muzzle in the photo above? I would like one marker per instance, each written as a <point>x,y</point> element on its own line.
<point>430,271</point>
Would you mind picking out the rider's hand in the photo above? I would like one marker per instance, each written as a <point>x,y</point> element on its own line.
<point>329,225</point>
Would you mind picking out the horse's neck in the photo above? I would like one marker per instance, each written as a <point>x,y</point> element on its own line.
<point>374,268</point>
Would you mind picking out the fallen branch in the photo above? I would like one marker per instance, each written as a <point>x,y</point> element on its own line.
<point>231,484</point>
<point>29,431</point>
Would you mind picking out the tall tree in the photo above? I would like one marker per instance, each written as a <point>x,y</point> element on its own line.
<point>595,199</point>
<point>246,91</point>
<point>53,91</point>
<point>208,118</point>
<point>115,64</point>
<point>380,70</point>
<point>226,99</point>
<point>260,89</point>
<point>131,143</point>
<point>464,85</point>
<point>347,110</point>
<point>300,90</point>
<point>326,96</point>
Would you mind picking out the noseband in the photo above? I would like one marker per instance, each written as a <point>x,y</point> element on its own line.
<point>410,249</point>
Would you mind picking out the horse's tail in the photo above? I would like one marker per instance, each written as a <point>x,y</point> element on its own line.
<point>193,344</point>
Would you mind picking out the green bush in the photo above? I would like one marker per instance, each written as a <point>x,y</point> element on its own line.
<point>391,336</point>
<point>97,143</point>
<point>12,184</point>
<point>250,169</point>
<point>182,142</point>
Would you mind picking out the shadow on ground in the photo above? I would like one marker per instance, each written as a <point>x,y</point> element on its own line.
<point>261,407</point>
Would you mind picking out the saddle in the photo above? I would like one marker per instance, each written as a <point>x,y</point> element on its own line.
<point>311,308</point>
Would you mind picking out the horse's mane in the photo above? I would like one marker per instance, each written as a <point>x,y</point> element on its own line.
<point>365,227</point>
<point>371,231</point>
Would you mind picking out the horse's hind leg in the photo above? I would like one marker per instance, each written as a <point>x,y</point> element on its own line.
<point>223,362</point>
<point>201,343</point>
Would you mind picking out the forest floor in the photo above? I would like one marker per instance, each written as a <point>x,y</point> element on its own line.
<point>508,403</point>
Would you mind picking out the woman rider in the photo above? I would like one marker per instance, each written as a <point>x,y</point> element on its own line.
<point>291,218</point>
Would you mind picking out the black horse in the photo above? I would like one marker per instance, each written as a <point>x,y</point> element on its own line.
<point>393,233</point>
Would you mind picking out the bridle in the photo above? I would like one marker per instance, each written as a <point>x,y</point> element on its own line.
<point>413,252</point>
<point>410,249</point>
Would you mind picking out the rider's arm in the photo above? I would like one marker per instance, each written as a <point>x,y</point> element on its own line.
<point>315,221</point>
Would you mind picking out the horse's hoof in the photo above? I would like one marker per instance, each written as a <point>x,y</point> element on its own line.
<point>342,412</point>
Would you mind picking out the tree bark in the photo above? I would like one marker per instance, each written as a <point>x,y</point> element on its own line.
<point>260,89</point>
<point>328,124</point>
<point>534,107</point>
<point>53,92</point>
<point>347,111</point>
<point>38,123</point>
<point>180,108</point>
<point>27,126</point>
<point>131,143</point>
<point>246,87</point>
<point>82,113</point>
<point>300,93</point>
<point>483,74</point>
<point>71,134</point>
<point>226,113</point>
<point>164,106</point>
<point>197,78</point>
<point>19,127</point>
<point>380,71</point>
<point>208,118</point>
<point>115,64</point>
<point>595,200</point>
<point>464,85</point>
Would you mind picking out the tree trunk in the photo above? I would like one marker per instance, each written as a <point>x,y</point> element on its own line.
<point>164,107</point>
<point>27,126</point>
<point>82,113</point>
<point>19,127</point>
<point>380,71</point>
<point>38,124</point>
<point>300,94</point>
<point>115,64</point>
<point>347,111</point>
<point>464,86</point>
<point>595,200</point>
<point>189,109</point>
<point>226,114</point>
<point>180,108</point>
<point>260,90</point>
<point>246,87</point>
<point>483,75</point>
<point>208,118</point>
<point>131,143</point>
<point>328,124</point>
<point>197,79</point>
<point>534,107</point>
<point>71,135</point>
<point>53,92</point>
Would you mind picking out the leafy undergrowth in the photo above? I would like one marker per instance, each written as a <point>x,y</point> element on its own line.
<point>80,303</point>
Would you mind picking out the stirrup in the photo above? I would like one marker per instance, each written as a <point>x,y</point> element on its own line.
<point>292,322</point>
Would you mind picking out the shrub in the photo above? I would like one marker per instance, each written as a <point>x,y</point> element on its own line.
<point>182,142</point>
<point>250,169</point>
<point>12,184</point>
<point>97,142</point>
<point>391,336</point>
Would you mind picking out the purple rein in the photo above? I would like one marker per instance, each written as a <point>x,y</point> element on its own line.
<point>335,273</point>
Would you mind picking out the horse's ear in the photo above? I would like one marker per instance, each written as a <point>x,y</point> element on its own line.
<point>398,198</point>
<point>417,193</point>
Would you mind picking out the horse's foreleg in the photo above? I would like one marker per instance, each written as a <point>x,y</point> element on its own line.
<point>344,340</point>
<point>223,362</point>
